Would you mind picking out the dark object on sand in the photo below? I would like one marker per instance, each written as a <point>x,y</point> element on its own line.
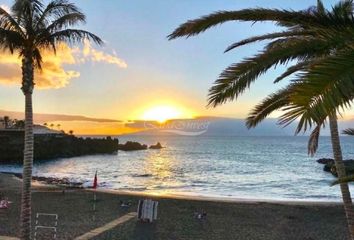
<point>127,204</point>
<point>156,146</point>
<point>200,215</point>
<point>329,166</point>
<point>132,146</point>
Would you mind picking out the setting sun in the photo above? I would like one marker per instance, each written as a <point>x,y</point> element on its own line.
<point>161,113</point>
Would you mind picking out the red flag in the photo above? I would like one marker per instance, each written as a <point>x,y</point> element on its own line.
<point>95,181</point>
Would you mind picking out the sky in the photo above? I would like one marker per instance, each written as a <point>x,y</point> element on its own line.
<point>138,68</point>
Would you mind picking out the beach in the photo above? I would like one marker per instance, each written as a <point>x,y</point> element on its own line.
<point>226,219</point>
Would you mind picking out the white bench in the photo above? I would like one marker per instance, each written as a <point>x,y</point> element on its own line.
<point>46,227</point>
<point>147,210</point>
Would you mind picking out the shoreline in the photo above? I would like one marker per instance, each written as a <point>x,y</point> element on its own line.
<point>245,218</point>
<point>218,199</point>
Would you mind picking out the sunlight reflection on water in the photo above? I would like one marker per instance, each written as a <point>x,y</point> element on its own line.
<point>237,167</point>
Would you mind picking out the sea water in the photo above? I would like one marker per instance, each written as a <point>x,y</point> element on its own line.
<point>275,168</point>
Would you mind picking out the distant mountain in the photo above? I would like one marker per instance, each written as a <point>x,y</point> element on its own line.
<point>219,126</point>
<point>209,126</point>
<point>237,127</point>
<point>205,125</point>
<point>43,117</point>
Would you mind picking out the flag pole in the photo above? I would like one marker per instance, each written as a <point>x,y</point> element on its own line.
<point>94,192</point>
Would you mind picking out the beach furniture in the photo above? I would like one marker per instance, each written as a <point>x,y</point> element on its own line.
<point>147,210</point>
<point>127,204</point>
<point>200,215</point>
<point>51,227</point>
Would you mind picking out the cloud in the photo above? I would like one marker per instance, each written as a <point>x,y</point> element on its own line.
<point>54,73</point>
<point>98,56</point>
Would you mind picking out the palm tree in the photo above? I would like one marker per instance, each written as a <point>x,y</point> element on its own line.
<point>299,42</point>
<point>6,121</point>
<point>288,100</point>
<point>19,124</point>
<point>27,30</point>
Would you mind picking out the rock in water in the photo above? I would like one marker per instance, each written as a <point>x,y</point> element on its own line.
<point>52,146</point>
<point>329,166</point>
<point>325,160</point>
<point>132,146</point>
<point>156,146</point>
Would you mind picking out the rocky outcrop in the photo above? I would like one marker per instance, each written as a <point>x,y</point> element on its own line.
<point>64,182</point>
<point>325,160</point>
<point>156,146</point>
<point>51,146</point>
<point>132,146</point>
<point>329,166</point>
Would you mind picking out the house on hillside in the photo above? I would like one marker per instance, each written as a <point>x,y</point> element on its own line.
<point>43,130</point>
<point>37,130</point>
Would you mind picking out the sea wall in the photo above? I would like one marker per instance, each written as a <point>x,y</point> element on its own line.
<point>51,146</point>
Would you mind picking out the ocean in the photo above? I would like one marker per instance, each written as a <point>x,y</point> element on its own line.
<point>267,168</point>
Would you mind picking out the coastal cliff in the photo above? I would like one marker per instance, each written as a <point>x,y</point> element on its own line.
<point>51,146</point>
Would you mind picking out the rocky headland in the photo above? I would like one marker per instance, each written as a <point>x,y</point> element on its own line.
<point>134,146</point>
<point>51,146</point>
<point>329,166</point>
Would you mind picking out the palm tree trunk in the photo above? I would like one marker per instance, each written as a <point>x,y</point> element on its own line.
<point>338,160</point>
<point>27,88</point>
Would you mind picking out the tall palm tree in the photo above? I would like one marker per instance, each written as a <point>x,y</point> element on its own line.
<point>27,30</point>
<point>6,121</point>
<point>299,42</point>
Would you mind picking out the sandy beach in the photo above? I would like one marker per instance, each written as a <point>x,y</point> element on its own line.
<point>225,219</point>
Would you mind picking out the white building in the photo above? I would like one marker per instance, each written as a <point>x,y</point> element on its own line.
<point>39,129</point>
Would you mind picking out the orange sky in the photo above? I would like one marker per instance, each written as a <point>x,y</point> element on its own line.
<point>138,69</point>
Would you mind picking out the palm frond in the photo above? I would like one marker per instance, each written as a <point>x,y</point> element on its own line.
<point>55,10</point>
<point>71,36</point>
<point>267,36</point>
<point>65,21</point>
<point>323,89</point>
<point>348,131</point>
<point>235,79</point>
<point>268,105</point>
<point>7,22</point>
<point>282,17</point>
<point>10,40</point>
<point>25,11</point>
<point>312,145</point>
<point>291,70</point>
<point>38,58</point>
<point>320,7</point>
<point>342,8</point>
